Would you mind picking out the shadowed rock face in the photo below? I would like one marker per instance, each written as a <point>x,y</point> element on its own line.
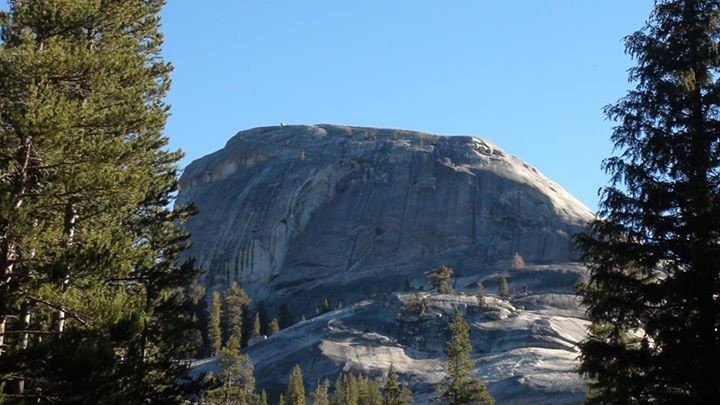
<point>299,213</point>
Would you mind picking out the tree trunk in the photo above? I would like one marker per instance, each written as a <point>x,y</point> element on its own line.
<point>9,248</point>
<point>69,229</point>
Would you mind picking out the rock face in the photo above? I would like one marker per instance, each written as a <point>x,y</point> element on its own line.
<point>327,211</point>
<point>297,214</point>
<point>524,347</point>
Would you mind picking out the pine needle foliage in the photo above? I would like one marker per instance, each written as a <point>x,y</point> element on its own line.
<point>441,279</point>
<point>460,386</point>
<point>653,253</point>
<point>91,301</point>
<point>295,393</point>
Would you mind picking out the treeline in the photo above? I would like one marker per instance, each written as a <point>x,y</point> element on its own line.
<point>237,387</point>
<point>230,316</point>
<point>235,381</point>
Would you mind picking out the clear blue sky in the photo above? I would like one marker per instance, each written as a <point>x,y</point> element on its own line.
<point>531,76</point>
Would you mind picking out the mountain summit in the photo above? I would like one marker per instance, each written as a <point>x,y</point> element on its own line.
<point>302,214</point>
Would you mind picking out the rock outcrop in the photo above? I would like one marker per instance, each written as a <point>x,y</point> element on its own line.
<point>525,347</point>
<point>298,214</point>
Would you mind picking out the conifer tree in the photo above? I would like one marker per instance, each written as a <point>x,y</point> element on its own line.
<point>324,307</point>
<point>339,397</point>
<point>88,247</point>
<point>295,392</point>
<point>346,390</point>
<point>281,400</point>
<point>320,394</point>
<point>503,290</point>
<point>263,318</point>
<point>460,387</point>
<point>257,329</point>
<point>440,278</point>
<point>214,331</point>
<point>369,392</point>
<point>273,327</point>
<point>235,380</point>
<point>197,335</point>
<point>653,252</point>
<point>262,398</point>
<point>235,302</point>
<point>480,294</point>
<point>394,394</point>
<point>406,396</point>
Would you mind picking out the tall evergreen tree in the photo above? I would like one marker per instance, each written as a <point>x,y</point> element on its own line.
<point>257,327</point>
<point>653,253</point>
<point>460,387</point>
<point>235,300</point>
<point>440,279</point>
<point>369,392</point>
<point>394,394</point>
<point>295,393</point>
<point>320,394</point>
<point>88,247</point>
<point>273,327</point>
<point>235,380</point>
<point>214,330</point>
<point>263,318</point>
<point>503,290</point>
<point>262,398</point>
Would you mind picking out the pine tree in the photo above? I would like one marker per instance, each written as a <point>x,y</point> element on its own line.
<point>326,306</point>
<point>320,395</point>
<point>406,396</point>
<point>503,290</point>
<point>273,327</point>
<point>346,392</point>
<point>281,399</point>
<point>296,387</point>
<point>262,398</point>
<point>369,392</point>
<point>197,335</point>
<point>480,294</point>
<point>460,387</point>
<point>440,279</point>
<point>235,302</point>
<point>653,255</point>
<point>235,380</point>
<point>214,331</point>
<point>88,246</point>
<point>393,393</point>
<point>263,318</point>
<point>257,330</point>
<point>338,397</point>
